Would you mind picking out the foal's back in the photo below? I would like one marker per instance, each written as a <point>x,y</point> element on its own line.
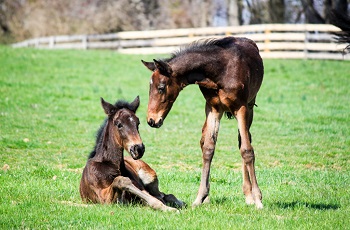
<point>240,59</point>
<point>246,50</point>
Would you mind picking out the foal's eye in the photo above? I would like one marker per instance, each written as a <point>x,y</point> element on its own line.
<point>161,88</point>
<point>119,125</point>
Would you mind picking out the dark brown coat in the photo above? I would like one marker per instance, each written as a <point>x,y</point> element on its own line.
<point>229,72</point>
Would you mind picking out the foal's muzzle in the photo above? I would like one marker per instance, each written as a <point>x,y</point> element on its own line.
<point>153,124</point>
<point>137,151</point>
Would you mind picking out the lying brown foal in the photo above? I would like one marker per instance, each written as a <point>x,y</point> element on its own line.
<point>108,177</point>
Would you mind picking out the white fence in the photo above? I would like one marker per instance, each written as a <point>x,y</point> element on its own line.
<point>314,41</point>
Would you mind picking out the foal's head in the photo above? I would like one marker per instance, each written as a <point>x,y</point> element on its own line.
<point>163,91</point>
<point>123,126</point>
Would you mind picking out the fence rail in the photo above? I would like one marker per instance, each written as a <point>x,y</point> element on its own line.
<point>313,41</point>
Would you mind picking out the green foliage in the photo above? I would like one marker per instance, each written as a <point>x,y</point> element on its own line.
<point>50,112</point>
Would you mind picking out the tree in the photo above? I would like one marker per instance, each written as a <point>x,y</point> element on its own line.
<point>36,18</point>
<point>234,12</point>
<point>311,14</point>
<point>276,10</point>
<point>332,6</point>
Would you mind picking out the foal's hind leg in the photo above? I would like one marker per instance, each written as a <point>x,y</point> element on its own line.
<point>250,186</point>
<point>125,184</point>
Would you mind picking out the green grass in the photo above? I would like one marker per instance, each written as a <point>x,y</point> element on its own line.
<point>50,111</point>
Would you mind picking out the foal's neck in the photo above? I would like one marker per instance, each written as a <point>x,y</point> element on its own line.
<point>109,149</point>
<point>192,67</point>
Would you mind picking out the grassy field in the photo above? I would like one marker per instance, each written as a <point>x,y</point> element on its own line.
<point>50,111</point>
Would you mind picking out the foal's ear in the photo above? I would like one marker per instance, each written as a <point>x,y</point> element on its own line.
<point>108,108</point>
<point>163,67</point>
<point>135,104</point>
<point>150,65</point>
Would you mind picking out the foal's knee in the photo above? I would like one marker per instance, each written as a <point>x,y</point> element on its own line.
<point>248,155</point>
<point>208,153</point>
<point>122,182</point>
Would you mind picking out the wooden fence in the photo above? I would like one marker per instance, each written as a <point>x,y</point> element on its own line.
<point>306,41</point>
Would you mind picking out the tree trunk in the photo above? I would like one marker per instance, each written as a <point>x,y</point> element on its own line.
<point>340,6</point>
<point>276,9</point>
<point>233,13</point>
<point>311,14</point>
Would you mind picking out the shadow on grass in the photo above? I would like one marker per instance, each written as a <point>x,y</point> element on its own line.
<point>221,200</point>
<point>283,205</point>
<point>294,204</point>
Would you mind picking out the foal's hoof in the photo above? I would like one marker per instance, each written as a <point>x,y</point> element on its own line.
<point>206,200</point>
<point>259,205</point>
<point>172,201</point>
<point>180,204</point>
<point>170,209</point>
<point>199,202</point>
<point>249,200</point>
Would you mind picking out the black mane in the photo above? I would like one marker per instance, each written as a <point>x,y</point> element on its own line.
<point>204,45</point>
<point>120,104</point>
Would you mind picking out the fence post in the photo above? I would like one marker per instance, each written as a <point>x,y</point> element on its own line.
<point>306,40</point>
<point>119,47</point>
<point>267,40</point>
<point>36,43</point>
<point>52,42</point>
<point>85,41</point>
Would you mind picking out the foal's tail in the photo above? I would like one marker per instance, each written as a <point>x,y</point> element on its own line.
<point>229,115</point>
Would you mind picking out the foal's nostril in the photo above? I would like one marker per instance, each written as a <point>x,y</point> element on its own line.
<point>151,122</point>
<point>140,149</point>
<point>160,122</point>
<point>137,151</point>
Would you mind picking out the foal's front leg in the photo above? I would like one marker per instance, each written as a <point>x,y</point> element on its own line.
<point>209,136</point>
<point>125,184</point>
<point>168,199</point>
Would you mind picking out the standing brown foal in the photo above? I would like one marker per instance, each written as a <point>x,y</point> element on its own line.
<point>108,177</point>
<point>229,72</point>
